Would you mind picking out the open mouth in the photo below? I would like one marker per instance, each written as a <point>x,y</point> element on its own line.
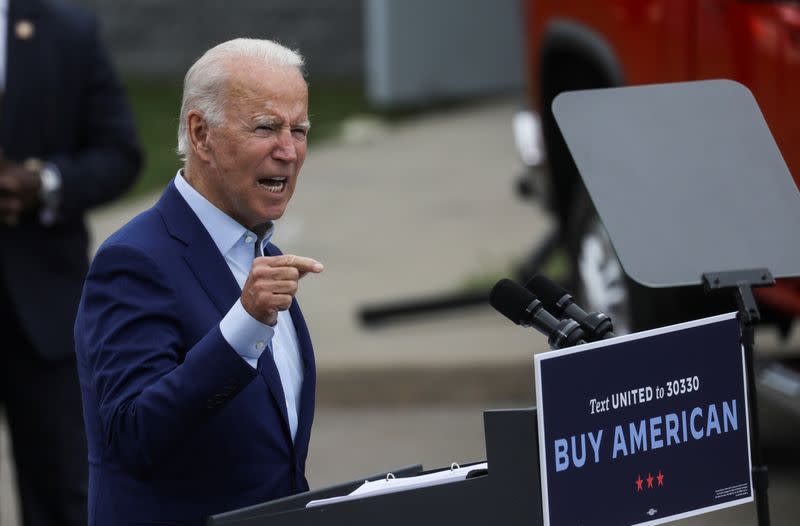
<point>274,185</point>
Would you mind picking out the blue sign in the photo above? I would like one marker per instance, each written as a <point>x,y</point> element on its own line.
<point>645,428</point>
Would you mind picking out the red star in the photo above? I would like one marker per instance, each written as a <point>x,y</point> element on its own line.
<point>649,480</point>
<point>660,478</point>
<point>639,483</point>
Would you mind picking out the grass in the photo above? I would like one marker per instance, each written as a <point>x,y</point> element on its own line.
<point>330,104</point>
<point>156,103</point>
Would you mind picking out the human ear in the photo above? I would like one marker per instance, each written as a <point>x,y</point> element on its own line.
<point>198,134</point>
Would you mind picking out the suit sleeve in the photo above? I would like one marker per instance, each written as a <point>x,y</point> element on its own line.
<point>109,157</point>
<point>152,391</point>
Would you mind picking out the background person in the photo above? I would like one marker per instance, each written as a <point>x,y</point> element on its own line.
<point>68,143</point>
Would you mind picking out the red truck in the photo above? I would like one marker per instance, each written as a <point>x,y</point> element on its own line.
<point>579,44</point>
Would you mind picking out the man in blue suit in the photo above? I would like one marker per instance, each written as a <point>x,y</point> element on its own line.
<point>67,144</point>
<point>196,366</point>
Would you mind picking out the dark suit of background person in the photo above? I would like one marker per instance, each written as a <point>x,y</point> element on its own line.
<point>62,104</point>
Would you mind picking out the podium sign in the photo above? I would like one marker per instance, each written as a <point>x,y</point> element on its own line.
<point>645,428</point>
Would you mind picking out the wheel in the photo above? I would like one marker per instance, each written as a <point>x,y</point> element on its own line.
<point>600,283</point>
<point>598,280</point>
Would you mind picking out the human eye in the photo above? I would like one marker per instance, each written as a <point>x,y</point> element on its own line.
<point>265,125</point>
<point>300,130</point>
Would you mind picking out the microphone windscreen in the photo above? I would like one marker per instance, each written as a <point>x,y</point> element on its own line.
<point>546,290</point>
<point>510,299</point>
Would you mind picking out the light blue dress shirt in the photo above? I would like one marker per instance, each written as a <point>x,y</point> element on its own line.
<point>248,336</point>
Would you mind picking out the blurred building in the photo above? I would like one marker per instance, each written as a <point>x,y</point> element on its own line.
<point>407,52</point>
<point>420,51</point>
<point>164,37</point>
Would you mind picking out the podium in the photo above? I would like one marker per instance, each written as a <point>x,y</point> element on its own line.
<point>508,494</point>
<point>692,189</point>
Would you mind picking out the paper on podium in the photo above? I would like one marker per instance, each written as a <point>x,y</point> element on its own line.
<point>391,484</point>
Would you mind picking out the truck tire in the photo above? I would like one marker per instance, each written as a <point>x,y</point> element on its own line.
<point>601,284</point>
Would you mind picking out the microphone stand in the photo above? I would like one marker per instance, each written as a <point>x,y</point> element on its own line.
<point>742,282</point>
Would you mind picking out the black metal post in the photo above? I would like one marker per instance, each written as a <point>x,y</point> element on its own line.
<point>377,314</point>
<point>742,282</point>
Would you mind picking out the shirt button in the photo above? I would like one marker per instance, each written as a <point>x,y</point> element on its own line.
<point>249,239</point>
<point>260,346</point>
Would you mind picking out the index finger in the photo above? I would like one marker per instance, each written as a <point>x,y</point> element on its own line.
<point>301,263</point>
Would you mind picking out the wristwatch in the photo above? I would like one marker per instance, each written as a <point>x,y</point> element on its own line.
<point>50,190</point>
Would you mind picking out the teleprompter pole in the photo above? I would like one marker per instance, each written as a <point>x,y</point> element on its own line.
<point>742,283</point>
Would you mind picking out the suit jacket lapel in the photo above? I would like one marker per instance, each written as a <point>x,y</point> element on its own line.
<point>216,278</point>
<point>269,372</point>
<point>307,394</point>
<point>214,275</point>
<point>201,253</point>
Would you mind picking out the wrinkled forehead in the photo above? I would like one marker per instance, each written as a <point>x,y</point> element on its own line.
<point>253,83</point>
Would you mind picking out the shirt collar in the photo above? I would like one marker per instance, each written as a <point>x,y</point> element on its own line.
<point>224,230</point>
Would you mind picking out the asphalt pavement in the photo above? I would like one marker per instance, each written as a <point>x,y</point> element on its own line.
<point>408,211</point>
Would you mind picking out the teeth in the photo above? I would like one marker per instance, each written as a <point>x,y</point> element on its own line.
<point>274,185</point>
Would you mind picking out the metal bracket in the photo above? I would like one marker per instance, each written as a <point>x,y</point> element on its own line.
<point>743,281</point>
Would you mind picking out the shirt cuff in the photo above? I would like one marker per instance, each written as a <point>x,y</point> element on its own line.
<point>248,336</point>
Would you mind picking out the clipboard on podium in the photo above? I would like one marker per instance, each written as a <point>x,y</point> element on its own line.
<point>507,492</point>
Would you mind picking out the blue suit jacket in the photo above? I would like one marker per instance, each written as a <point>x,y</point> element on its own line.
<point>179,425</point>
<point>62,104</point>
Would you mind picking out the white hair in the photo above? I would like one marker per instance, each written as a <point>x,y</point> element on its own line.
<point>204,84</point>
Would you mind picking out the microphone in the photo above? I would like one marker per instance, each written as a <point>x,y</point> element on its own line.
<point>596,325</point>
<point>523,308</point>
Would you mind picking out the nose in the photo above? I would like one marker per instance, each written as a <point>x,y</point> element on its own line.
<point>286,147</point>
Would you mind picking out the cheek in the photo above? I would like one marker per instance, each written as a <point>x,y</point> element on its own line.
<point>301,156</point>
<point>301,149</point>
<point>226,146</point>
<point>231,151</point>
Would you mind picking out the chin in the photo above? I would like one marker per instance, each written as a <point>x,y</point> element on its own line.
<point>263,212</point>
<point>273,214</point>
